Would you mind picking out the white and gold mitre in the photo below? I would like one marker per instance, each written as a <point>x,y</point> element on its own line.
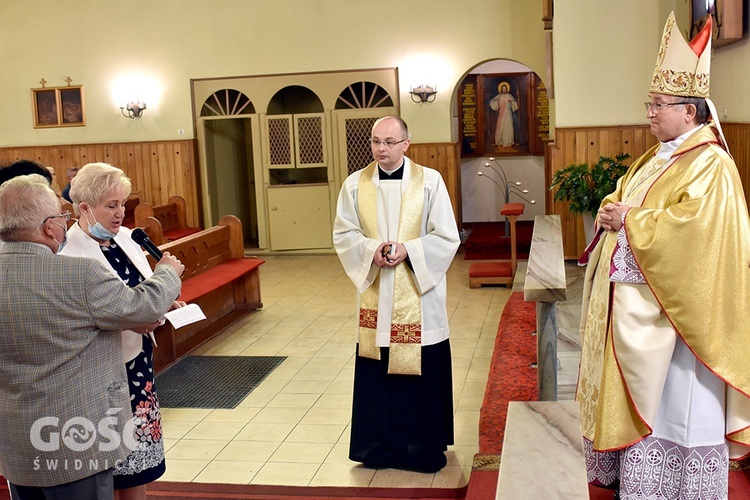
<point>683,69</point>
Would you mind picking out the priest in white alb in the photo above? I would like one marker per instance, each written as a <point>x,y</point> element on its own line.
<point>396,235</point>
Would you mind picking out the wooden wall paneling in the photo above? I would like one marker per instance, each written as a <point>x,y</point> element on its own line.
<point>738,139</point>
<point>157,170</point>
<point>446,159</point>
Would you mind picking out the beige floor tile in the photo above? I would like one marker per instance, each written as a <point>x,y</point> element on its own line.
<point>393,478</point>
<point>229,472</point>
<point>226,431</point>
<point>461,455</point>
<point>227,349</point>
<point>264,432</point>
<point>327,416</point>
<point>183,471</point>
<point>286,474</point>
<point>452,476</point>
<point>339,454</point>
<point>270,415</point>
<point>340,387</point>
<point>466,436</point>
<point>176,429</point>
<point>339,474</point>
<point>239,414</point>
<point>459,352</point>
<point>261,350</point>
<point>248,451</point>
<point>294,362</point>
<point>474,388</point>
<point>466,418</point>
<point>470,401</point>
<point>185,414</point>
<point>312,453</point>
<point>257,399</point>
<point>346,435</point>
<point>293,400</point>
<point>196,449</point>
<point>334,401</point>
<point>282,374</point>
<point>298,386</point>
<point>269,386</point>
<point>309,433</point>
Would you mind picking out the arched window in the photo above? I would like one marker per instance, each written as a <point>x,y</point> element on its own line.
<point>227,102</point>
<point>361,95</point>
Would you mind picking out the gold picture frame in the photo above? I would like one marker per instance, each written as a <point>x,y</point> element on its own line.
<point>58,107</point>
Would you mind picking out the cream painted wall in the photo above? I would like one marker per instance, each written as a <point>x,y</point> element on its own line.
<point>604,57</point>
<point>167,43</point>
<point>730,81</point>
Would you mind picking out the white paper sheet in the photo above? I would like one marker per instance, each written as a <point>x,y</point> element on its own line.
<point>185,315</point>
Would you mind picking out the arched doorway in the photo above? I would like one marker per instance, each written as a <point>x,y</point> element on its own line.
<point>482,187</point>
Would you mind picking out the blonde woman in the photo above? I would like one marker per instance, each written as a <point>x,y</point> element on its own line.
<point>99,192</point>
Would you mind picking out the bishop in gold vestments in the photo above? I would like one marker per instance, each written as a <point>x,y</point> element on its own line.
<point>664,383</point>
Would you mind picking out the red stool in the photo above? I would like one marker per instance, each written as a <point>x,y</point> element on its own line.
<point>499,272</point>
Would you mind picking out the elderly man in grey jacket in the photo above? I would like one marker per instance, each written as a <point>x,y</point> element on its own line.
<point>64,402</point>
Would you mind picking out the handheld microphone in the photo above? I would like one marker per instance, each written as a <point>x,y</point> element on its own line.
<point>140,237</point>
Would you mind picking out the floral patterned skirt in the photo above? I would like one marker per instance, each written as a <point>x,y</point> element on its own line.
<point>146,462</point>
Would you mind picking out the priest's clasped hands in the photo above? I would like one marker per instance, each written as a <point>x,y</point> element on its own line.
<point>610,216</point>
<point>390,254</point>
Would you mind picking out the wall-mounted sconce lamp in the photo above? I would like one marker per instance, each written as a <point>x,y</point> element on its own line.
<point>133,109</point>
<point>423,93</point>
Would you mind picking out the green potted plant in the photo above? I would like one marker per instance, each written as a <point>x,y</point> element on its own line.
<point>585,187</point>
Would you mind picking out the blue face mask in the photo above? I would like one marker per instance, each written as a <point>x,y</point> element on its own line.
<point>61,245</point>
<point>98,231</point>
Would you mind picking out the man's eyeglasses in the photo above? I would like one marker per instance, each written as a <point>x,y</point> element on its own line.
<point>658,106</point>
<point>387,144</point>
<point>65,215</point>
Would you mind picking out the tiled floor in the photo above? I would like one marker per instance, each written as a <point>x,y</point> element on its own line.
<point>294,428</point>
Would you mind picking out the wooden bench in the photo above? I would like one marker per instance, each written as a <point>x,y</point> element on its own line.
<point>172,216</point>
<point>219,278</point>
<point>152,226</point>
<point>133,201</point>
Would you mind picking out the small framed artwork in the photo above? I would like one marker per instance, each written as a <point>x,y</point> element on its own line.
<point>45,107</point>
<point>71,106</point>
<point>58,107</point>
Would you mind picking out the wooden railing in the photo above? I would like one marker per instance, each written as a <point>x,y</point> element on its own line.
<point>546,285</point>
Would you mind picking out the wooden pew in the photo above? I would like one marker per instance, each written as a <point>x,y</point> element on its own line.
<point>219,278</point>
<point>172,216</point>
<point>133,201</point>
<point>153,229</point>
